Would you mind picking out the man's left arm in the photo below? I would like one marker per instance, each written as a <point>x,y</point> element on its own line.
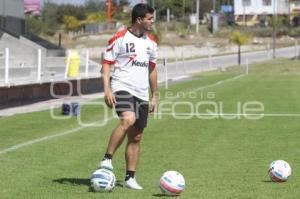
<point>153,87</point>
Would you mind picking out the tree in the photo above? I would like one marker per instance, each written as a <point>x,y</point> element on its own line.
<point>177,7</point>
<point>96,17</point>
<point>121,2</point>
<point>181,8</point>
<point>92,6</point>
<point>71,23</point>
<point>239,39</point>
<point>34,24</point>
<point>70,10</point>
<point>49,18</point>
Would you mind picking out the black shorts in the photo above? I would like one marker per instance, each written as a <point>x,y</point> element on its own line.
<point>128,102</point>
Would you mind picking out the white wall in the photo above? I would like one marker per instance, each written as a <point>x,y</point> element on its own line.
<point>13,8</point>
<point>19,51</point>
<point>257,7</point>
<point>295,6</point>
<point>283,7</point>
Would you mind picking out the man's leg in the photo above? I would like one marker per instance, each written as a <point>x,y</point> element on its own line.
<point>132,153</point>
<point>127,119</point>
<point>134,136</point>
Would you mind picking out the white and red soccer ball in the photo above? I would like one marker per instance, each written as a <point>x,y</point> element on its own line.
<point>279,171</point>
<point>172,183</point>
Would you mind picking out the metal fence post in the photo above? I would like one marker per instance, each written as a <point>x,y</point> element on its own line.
<point>166,72</point>
<point>6,76</point>
<point>247,66</point>
<point>183,62</point>
<point>67,65</point>
<point>39,65</point>
<point>87,58</point>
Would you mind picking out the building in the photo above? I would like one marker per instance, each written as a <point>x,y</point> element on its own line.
<point>22,45</point>
<point>32,6</point>
<point>12,17</point>
<point>295,12</point>
<point>256,12</point>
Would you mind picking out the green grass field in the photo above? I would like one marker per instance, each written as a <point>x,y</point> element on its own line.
<point>219,158</point>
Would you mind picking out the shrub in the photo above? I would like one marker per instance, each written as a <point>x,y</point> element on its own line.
<point>157,34</point>
<point>34,24</point>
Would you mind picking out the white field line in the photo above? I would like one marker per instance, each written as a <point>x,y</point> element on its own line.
<point>208,86</point>
<point>218,83</point>
<point>34,141</point>
<point>233,114</point>
<point>75,130</point>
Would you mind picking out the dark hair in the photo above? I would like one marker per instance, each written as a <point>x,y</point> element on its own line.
<point>140,10</point>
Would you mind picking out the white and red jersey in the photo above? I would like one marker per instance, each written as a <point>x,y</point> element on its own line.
<point>132,56</point>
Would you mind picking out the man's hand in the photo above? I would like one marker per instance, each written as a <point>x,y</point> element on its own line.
<point>153,105</point>
<point>110,99</point>
<point>153,86</point>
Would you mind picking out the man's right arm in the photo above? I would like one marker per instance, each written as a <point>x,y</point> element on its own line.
<point>109,97</point>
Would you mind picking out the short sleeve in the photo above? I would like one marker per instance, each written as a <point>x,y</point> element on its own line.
<point>153,55</point>
<point>111,51</point>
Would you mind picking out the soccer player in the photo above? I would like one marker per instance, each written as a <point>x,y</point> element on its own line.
<point>133,52</point>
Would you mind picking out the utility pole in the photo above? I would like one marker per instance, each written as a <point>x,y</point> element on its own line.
<point>168,15</point>
<point>98,7</point>
<point>214,5</point>
<point>183,9</point>
<point>289,14</point>
<point>197,16</point>
<point>168,20</point>
<point>244,16</point>
<point>152,3</point>
<point>153,6</point>
<point>3,19</point>
<point>274,28</point>
<point>109,14</point>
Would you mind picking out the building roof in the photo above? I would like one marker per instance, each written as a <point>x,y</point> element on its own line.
<point>32,6</point>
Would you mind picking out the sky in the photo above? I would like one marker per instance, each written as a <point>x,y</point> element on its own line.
<point>79,2</point>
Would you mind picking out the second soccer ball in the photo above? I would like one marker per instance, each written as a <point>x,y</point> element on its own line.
<point>279,171</point>
<point>172,183</point>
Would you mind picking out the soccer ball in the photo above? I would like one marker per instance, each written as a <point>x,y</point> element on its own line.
<point>171,183</point>
<point>279,171</point>
<point>103,180</point>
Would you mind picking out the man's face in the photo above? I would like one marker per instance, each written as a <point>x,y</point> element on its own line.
<point>147,22</point>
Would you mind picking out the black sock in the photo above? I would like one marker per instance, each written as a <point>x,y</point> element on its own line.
<point>129,174</point>
<point>107,156</point>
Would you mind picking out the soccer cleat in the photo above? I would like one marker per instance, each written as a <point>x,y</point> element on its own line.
<point>132,184</point>
<point>106,164</point>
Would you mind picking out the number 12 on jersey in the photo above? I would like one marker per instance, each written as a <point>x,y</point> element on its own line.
<point>130,48</point>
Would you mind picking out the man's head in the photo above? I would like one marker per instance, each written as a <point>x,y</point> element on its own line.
<point>142,14</point>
